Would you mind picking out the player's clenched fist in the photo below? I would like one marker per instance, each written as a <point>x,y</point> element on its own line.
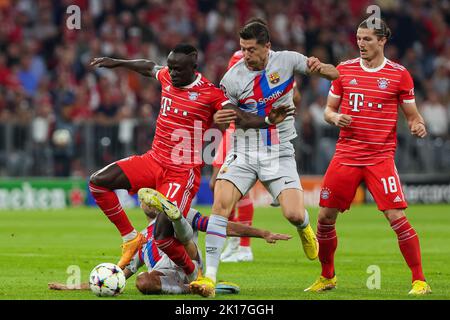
<point>314,64</point>
<point>418,129</point>
<point>104,62</point>
<point>342,120</point>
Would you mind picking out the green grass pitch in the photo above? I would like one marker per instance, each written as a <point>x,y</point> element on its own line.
<point>37,247</point>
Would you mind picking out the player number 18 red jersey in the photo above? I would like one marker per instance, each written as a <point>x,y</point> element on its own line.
<point>371,97</point>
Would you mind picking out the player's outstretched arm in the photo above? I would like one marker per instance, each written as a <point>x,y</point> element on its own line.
<point>82,286</point>
<point>415,121</point>
<point>327,71</point>
<point>248,120</point>
<point>145,67</point>
<point>241,230</point>
<point>61,286</point>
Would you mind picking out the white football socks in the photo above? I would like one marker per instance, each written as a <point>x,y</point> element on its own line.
<point>305,221</point>
<point>216,234</point>
<point>183,230</point>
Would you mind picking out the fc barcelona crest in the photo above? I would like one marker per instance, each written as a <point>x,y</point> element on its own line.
<point>274,78</point>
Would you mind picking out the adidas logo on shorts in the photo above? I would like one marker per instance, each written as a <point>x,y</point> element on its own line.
<point>398,199</point>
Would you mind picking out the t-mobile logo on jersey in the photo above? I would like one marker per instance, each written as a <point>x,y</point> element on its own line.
<point>166,104</point>
<point>357,102</point>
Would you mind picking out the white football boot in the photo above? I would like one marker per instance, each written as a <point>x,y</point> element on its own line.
<point>243,254</point>
<point>231,248</point>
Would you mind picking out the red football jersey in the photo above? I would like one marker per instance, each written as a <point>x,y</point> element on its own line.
<point>238,55</point>
<point>371,97</point>
<point>184,116</point>
<point>225,143</point>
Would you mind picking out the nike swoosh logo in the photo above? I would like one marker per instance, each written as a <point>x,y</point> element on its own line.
<point>287,182</point>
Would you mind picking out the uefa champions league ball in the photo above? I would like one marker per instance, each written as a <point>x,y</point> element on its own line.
<point>107,280</point>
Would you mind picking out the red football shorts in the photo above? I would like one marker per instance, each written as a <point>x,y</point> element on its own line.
<point>144,171</point>
<point>341,181</point>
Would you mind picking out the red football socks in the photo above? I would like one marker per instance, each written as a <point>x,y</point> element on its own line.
<point>326,235</point>
<point>408,241</point>
<point>245,216</point>
<point>109,203</point>
<point>177,253</point>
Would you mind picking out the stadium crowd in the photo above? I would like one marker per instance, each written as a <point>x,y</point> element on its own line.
<point>47,87</point>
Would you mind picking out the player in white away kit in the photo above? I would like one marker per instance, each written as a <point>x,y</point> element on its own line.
<point>262,80</point>
<point>163,275</point>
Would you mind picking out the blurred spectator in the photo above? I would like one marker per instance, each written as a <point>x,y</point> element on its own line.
<point>46,83</point>
<point>435,115</point>
<point>436,118</point>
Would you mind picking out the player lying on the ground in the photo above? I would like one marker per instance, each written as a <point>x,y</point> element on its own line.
<point>163,275</point>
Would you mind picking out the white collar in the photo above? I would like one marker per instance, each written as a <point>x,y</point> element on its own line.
<point>372,69</point>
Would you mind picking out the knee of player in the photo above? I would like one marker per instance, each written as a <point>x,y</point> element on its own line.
<point>294,216</point>
<point>148,283</point>
<point>326,220</point>
<point>295,219</point>
<point>94,178</point>
<point>327,215</point>
<point>222,206</point>
<point>394,214</point>
<point>97,179</point>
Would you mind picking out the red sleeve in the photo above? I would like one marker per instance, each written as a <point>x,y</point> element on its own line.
<point>201,223</point>
<point>336,85</point>
<point>406,88</point>
<point>162,75</point>
<point>218,98</point>
<point>235,58</point>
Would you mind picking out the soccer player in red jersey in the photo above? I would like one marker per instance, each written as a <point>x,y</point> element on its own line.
<point>172,165</point>
<point>363,102</point>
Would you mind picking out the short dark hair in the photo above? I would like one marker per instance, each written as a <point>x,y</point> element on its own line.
<point>378,25</point>
<point>255,29</point>
<point>184,48</point>
<point>257,20</point>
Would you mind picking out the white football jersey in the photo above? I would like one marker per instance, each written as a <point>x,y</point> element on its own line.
<point>260,91</point>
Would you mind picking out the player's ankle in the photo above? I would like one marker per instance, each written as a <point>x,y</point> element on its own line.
<point>245,249</point>
<point>211,273</point>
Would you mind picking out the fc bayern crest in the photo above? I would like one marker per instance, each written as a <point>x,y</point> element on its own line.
<point>193,95</point>
<point>274,78</point>
<point>325,193</point>
<point>383,83</point>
